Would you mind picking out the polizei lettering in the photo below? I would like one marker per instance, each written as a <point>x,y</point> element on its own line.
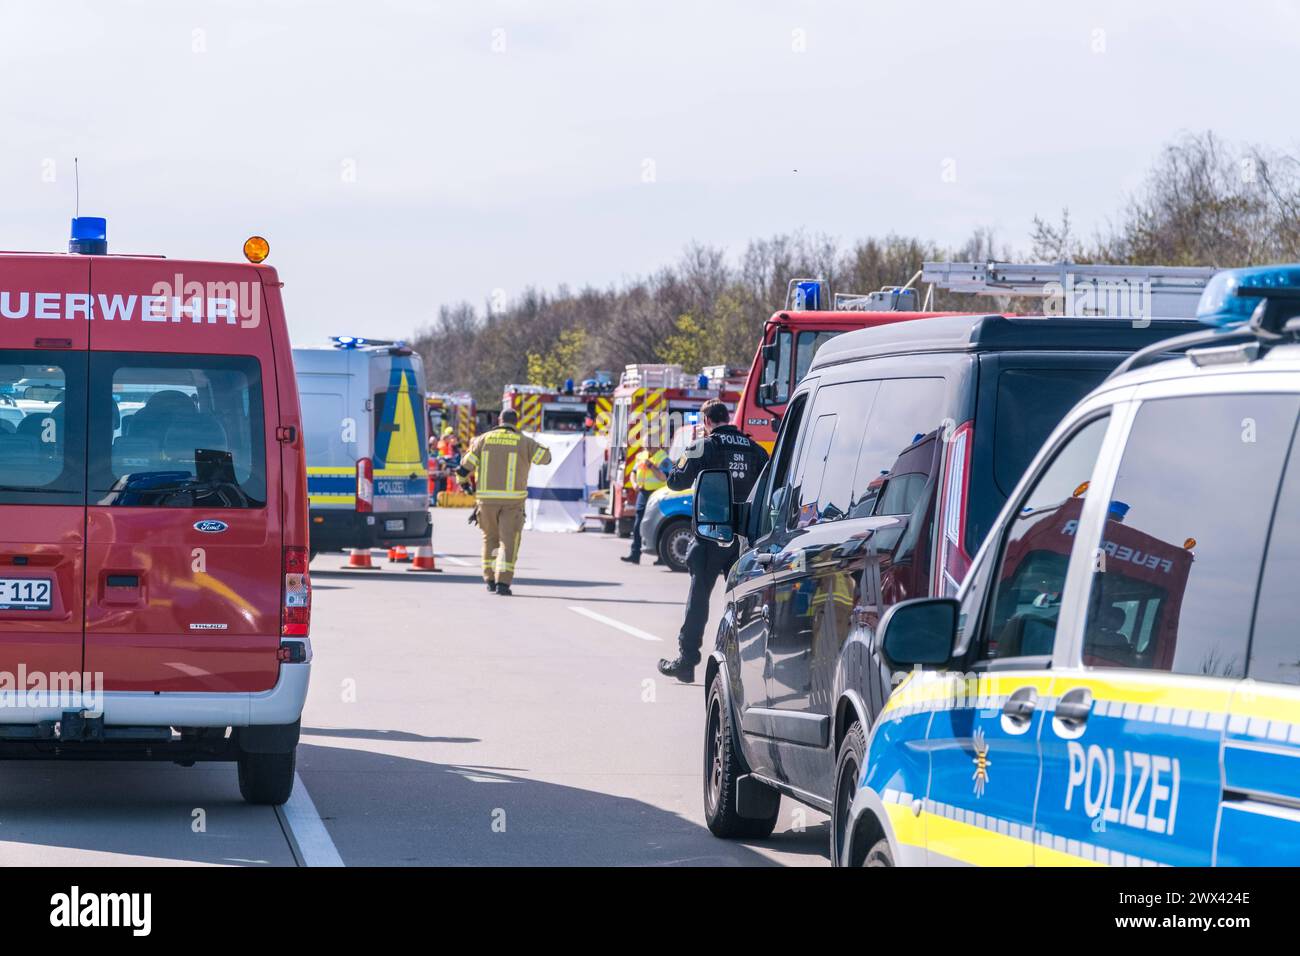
<point>1127,787</point>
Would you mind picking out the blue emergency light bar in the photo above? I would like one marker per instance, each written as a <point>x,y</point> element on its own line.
<point>1233,296</point>
<point>89,236</point>
<point>347,341</point>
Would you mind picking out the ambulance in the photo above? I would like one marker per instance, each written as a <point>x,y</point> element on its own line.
<point>364,420</point>
<point>154,595</point>
<point>1117,681</point>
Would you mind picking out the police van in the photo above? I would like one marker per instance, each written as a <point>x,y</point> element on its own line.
<point>367,456</point>
<point>1118,679</point>
<point>154,596</point>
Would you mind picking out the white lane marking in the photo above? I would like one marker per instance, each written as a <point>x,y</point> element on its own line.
<point>458,561</point>
<point>312,843</point>
<point>625,628</point>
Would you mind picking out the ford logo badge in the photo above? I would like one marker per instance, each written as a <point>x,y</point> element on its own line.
<point>211,526</point>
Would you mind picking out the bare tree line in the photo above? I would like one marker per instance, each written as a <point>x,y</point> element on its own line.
<point>1203,203</point>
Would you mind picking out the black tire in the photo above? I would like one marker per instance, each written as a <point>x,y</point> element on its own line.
<point>625,526</point>
<point>879,855</point>
<point>848,768</point>
<point>266,779</point>
<point>722,766</point>
<point>675,540</point>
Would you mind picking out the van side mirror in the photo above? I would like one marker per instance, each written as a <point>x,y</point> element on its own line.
<point>919,632</point>
<point>712,516</point>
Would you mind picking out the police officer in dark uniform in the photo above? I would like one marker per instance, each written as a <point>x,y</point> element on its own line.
<point>723,447</point>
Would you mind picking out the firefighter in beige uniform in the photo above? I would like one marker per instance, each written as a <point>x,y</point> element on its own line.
<point>501,458</point>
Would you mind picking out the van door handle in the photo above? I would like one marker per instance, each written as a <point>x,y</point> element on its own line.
<point>1074,707</point>
<point>1021,705</point>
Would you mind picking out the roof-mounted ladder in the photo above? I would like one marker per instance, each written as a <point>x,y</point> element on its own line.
<point>1079,290</point>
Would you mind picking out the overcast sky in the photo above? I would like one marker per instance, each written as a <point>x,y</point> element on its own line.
<point>399,155</point>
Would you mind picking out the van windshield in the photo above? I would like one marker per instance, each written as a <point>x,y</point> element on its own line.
<point>176,431</point>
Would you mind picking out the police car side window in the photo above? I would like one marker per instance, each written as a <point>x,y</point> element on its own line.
<point>1181,551</point>
<point>1029,576</point>
<point>1275,643</point>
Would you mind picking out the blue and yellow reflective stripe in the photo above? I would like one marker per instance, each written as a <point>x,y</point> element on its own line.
<point>331,486</point>
<point>966,836</point>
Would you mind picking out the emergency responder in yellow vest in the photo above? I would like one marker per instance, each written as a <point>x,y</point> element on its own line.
<point>649,473</point>
<point>501,458</point>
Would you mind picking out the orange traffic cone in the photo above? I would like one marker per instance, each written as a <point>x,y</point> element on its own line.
<point>398,554</point>
<point>423,559</point>
<point>359,558</point>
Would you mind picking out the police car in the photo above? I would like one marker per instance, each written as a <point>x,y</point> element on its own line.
<point>1118,679</point>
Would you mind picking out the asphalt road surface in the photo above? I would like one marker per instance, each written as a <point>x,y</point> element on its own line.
<point>445,726</point>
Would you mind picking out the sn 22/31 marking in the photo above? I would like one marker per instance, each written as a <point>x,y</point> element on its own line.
<point>1147,790</point>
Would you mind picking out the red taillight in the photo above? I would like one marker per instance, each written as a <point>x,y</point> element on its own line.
<point>365,486</point>
<point>954,561</point>
<point>296,617</point>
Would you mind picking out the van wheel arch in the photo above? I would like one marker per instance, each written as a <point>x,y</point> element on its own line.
<point>847,713</point>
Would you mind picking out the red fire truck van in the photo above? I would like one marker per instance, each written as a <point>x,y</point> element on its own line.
<point>154,594</point>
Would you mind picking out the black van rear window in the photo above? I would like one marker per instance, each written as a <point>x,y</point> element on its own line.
<point>42,458</point>
<point>1030,403</point>
<point>176,431</point>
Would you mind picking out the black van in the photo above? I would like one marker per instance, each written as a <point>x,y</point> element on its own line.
<point>896,453</point>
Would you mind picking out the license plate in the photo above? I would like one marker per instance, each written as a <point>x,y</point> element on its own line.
<point>395,524</point>
<point>24,594</point>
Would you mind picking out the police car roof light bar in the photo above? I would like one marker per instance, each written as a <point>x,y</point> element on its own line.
<point>1252,307</point>
<point>358,342</point>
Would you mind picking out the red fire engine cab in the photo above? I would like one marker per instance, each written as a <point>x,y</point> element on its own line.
<point>792,336</point>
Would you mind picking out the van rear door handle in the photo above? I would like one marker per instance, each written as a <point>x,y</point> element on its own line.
<point>1074,707</point>
<point>1020,706</point>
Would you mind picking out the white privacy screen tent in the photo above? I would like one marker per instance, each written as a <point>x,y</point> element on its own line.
<point>557,493</point>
